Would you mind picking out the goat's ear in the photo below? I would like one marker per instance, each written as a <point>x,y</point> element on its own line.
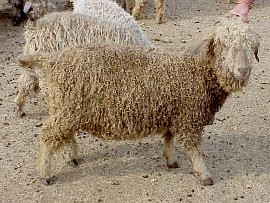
<point>255,48</point>
<point>204,47</point>
<point>27,7</point>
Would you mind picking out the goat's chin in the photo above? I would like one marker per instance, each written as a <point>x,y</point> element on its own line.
<point>231,83</point>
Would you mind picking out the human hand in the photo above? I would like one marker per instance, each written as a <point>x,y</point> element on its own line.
<point>240,10</point>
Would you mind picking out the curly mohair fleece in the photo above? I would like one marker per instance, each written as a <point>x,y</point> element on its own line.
<point>110,11</point>
<point>121,92</point>
<point>131,86</point>
<point>55,31</point>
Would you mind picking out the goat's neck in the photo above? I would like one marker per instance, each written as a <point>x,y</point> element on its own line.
<point>216,92</point>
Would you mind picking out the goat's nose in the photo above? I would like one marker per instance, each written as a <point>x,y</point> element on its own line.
<point>243,71</point>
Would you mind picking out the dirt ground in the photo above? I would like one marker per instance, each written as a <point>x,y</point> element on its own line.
<point>236,145</point>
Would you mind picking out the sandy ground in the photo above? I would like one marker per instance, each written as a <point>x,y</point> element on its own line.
<point>236,145</point>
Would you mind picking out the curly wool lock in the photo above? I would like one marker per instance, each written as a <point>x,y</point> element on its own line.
<point>55,31</point>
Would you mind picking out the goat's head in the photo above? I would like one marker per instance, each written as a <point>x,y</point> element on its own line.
<point>36,10</point>
<point>17,12</point>
<point>230,51</point>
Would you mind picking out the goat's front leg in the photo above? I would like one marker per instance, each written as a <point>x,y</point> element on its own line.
<point>199,167</point>
<point>190,143</point>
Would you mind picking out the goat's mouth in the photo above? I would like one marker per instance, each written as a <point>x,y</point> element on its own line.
<point>242,78</point>
<point>233,84</point>
<point>231,81</point>
<point>242,74</point>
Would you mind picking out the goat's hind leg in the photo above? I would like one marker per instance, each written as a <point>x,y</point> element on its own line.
<point>160,10</point>
<point>169,150</point>
<point>73,153</point>
<point>56,134</point>
<point>139,4</point>
<point>28,84</point>
<point>20,101</point>
<point>129,5</point>
<point>44,163</point>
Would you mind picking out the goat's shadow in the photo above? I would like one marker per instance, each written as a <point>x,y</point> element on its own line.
<point>226,157</point>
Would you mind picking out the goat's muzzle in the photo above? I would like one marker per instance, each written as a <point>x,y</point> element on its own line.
<point>242,66</point>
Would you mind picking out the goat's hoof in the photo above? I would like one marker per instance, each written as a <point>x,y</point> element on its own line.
<point>158,21</point>
<point>74,163</point>
<point>46,181</point>
<point>173,165</point>
<point>207,182</point>
<point>135,16</point>
<point>20,113</point>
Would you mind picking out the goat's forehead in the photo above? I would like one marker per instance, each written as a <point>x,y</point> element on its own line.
<point>236,35</point>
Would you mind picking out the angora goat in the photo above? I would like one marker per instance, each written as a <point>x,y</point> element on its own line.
<point>121,92</point>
